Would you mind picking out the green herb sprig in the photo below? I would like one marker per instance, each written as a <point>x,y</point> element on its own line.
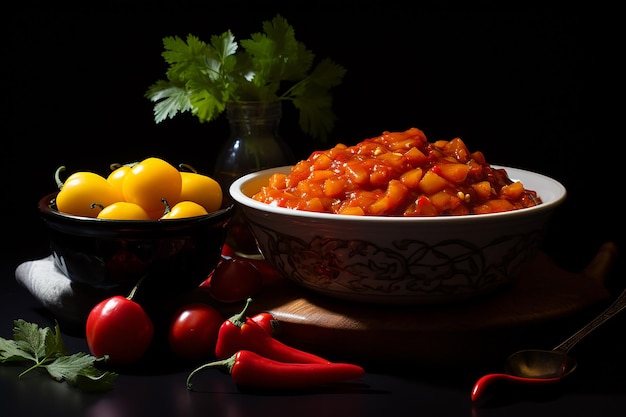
<point>202,78</point>
<point>44,348</point>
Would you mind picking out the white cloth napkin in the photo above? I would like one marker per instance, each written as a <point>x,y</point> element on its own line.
<point>66,300</point>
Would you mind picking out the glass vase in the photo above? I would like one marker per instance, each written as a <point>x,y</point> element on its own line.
<point>254,144</point>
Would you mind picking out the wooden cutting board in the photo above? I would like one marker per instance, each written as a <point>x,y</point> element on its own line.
<point>434,335</point>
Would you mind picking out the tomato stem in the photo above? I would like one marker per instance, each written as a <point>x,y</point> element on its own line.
<point>167,206</point>
<point>116,165</point>
<point>187,167</point>
<point>57,177</point>
<point>132,292</point>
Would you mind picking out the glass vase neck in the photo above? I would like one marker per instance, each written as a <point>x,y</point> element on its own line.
<point>254,112</point>
<point>254,144</point>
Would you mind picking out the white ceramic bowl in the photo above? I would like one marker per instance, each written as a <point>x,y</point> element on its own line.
<point>399,260</point>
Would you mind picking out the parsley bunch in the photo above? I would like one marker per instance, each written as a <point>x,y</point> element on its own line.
<point>44,348</point>
<point>202,78</point>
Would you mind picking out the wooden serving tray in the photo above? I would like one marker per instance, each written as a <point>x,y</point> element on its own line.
<point>456,334</point>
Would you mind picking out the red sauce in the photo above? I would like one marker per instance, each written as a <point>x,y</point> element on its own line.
<point>397,174</point>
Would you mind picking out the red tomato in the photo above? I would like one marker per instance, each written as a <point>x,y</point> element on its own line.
<point>228,251</point>
<point>266,270</point>
<point>193,331</point>
<point>234,280</point>
<point>120,328</point>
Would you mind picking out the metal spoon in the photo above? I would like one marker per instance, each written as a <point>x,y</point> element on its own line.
<point>546,366</point>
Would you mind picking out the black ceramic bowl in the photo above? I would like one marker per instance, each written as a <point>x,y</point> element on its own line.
<point>173,255</point>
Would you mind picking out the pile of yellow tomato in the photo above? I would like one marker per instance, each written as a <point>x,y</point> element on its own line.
<point>148,190</point>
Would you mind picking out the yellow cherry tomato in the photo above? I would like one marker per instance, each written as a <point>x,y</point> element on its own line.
<point>202,189</point>
<point>151,182</point>
<point>123,210</point>
<point>116,178</point>
<point>184,209</point>
<point>157,214</point>
<point>81,191</point>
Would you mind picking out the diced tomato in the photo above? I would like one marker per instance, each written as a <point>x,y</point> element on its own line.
<point>397,173</point>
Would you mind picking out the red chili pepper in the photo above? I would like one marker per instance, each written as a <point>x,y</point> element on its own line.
<point>267,321</point>
<point>251,370</point>
<point>242,333</point>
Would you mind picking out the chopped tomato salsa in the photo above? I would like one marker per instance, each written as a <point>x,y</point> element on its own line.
<point>397,174</point>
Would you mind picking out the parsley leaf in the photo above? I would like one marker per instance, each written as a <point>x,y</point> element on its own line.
<point>79,370</point>
<point>46,349</point>
<point>269,66</point>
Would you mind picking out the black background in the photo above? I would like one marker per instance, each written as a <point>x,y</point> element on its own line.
<point>533,89</point>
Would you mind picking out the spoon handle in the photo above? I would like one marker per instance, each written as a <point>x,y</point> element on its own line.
<point>618,305</point>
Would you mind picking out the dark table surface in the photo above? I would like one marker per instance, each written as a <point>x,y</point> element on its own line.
<point>597,388</point>
<point>526,87</point>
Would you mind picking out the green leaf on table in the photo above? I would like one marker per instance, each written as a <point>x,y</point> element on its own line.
<point>42,343</point>
<point>44,348</point>
<point>30,342</point>
<point>79,370</point>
